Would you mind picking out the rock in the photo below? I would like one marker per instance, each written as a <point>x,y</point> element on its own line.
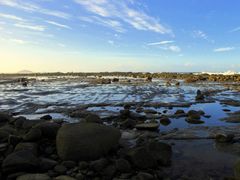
<point>64,178</point>
<point>143,176</point>
<point>19,122</point>
<point>200,96</point>
<point>128,135</point>
<point>237,169</point>
<point>83,165</point>
<point>86,141</point>
<point>127,106</point>
<point>34,177</point>
<point>147,126</point>
<point>32,147</point>
<point>224,138</point>
<point>192,114</point>
<point>98,165</point>
<point>141,158</point>
<point>28,124</point>
<point>47,164</point>
<point>3,136</point>
<point>125,113</point>
<point>20,161</point>
<point>109,172</point>
<point>165,121</point>
<point>3,147</point>
<point>14,140</point>
<point>123,166</point>
<point>128,124</point>
<point>69,164</point>
<point>115,80</point>
<point>60,169</point>
<point>46,117</point>
<point>179,112</point>
<point>93,118</point>
<point>4,118</point>
<point>79,176</point>
<point>49,129</point>
<point>161,152</point>
<point>34,134</point>
<point>194,121</point>
<point>150,111</point>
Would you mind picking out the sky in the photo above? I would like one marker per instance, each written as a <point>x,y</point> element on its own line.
<point>119,35</point>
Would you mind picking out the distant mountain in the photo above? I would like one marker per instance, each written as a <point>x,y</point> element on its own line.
<point>25,72</point>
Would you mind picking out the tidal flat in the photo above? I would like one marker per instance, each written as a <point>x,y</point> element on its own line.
<point>120,126</point>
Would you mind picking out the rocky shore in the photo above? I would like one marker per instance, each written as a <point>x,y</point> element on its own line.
<point>130,148</point>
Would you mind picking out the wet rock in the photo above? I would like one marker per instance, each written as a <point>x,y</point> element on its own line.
<point>3,147</point>
<point>143,176</point>
<point>127,106</point>
<point>192,114</point>
<point>141,158</point>
<point>46,117</point>
<point>108,172</point>
<point>34,177</point>
<point>165,121</point>
<point>47,164</point>
<point>128,135</point>
<point>33,135</point>
<point>147,126</point>
<point>19,122</point>
<point>14,140</point>
<point>60,169</point>
<point>224,138</point>
<point>125,113</point>
<point>86,141</point>
<point>83,165</point>
<point>115,80</point>
<point>33,147</point>
<point>4,118</point>
<point>69,164</point>
<point>237,169</point>
<point>123,166</point>
<point>150,111</point>
<point>28,124</point>
<point>200,96</point>
<point>93,118</point>
<point>3,136</point>
<point>20,161</point>
<point>48,129</point>
<point>128,124</point>
<point>194,121</point>
<point>64,178</point>
<point>98,165</point>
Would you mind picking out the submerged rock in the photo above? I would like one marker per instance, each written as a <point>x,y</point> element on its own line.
<point>86,141</point>
<point>147,126</point>
<point>224,138</point>
<point>34,177</point>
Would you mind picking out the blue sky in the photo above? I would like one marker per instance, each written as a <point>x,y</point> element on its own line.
<point>124,35</point>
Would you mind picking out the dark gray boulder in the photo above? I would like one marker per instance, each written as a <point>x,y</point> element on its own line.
<point>86,141</point>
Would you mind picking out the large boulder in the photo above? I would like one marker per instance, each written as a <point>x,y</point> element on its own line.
<point>34,177</point>
<point>4,118</point>
<point>49,129</point>
<point>20,161</point>
<point>86,141</point>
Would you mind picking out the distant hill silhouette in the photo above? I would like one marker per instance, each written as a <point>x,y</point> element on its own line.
<point>25,72</point>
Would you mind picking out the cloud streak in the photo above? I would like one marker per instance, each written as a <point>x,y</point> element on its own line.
<point>160,43</point>
<point>124,12</point>
<point>31,7</point>
<point>224,49</point>
<point>30,27</point>
<point>11,17</point>
<point>58,24</point>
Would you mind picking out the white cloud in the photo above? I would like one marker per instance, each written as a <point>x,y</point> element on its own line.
<point>11,17</point>
<point>58,24</point>
<point>174,48</point>
<point>124,11</point>
<point>18,41</point>
<point>160,43</point>
<point>31,7</point>
<point>30,27</point>
<point>111,42</point>
<point>235,29</point>
<point>202,35</point>
<point>224,49</point>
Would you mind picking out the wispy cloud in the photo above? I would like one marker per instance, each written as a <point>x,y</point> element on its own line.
<point>224,49</point>
<point>30,26</point>
<point>18,41</point>
<point>11,17</point>
<point>32,7</point>
<point>202,35</point>
<point>126,12</point>
<point>235,29</point>
<point>58,24</point>
<point>113,24</point>
<point>160,43</point>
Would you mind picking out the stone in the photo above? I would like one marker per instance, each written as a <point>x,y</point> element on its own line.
<point>3,136</point>
<point>47,164</point>
<point>83,165</point>
<point>46,117</point>
<point>19,122</point>
<point>93,118</point>
<point>123,166</point>
<point>147,126</point>
<point>165,121</point>
<point>224,138</point>
<point>60,169</point>
<point>14,140</point>
<point>86,141</point>
<point>194,121</point>
<point>143,176</point>
<point>34,177</point>
<point>128,124</point>
<point>49,129</point>
<point>141,158</point>
<point>64,178</point>
<point>34,134</point>
<point>25,146</point>
<point>4,118</point>
<point>98,165</point>
<point>69,164</point>
<point>20,161</point>
<point>237,169</point>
